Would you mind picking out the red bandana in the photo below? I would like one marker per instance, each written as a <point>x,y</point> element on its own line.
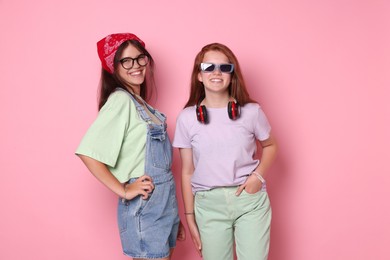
<point>108,46</point>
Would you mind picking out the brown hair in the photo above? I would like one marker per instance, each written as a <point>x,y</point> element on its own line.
<point>109,82</point>
<point>237,87</point>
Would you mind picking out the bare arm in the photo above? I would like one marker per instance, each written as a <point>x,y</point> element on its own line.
<point>253,184</point>
<point>268,156</point>
<point>187,172</point>
<point>188,197</point>
<point>142,186</point>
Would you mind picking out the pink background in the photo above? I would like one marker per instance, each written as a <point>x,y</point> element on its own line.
<point>320,70</point>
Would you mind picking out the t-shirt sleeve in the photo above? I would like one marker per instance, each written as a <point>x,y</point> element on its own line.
<point>182,138</point>
<point>262,126</point>
<point>103,140</point>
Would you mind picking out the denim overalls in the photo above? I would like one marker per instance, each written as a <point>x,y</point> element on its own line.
<point>148,228</point>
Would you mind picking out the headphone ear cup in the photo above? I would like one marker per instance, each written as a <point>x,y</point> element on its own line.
<point>233,110</point>
<point>201,114</point>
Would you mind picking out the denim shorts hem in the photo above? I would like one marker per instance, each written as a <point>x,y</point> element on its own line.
<point>146,256</point>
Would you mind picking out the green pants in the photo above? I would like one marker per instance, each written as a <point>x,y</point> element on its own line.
<point>225,219</point>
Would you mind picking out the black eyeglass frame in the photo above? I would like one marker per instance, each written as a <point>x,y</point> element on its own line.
<point>138,58</point>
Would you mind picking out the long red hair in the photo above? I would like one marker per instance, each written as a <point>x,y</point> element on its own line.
<point>237,87</point>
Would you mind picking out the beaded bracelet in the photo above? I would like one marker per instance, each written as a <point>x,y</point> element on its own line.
<point>258,175</point>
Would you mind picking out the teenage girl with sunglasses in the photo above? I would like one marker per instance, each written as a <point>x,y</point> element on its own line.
<point>223,183</point>
<point>127,149</point>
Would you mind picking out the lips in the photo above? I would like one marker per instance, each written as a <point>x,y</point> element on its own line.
<point>136,73</point>
<point>216,80</point>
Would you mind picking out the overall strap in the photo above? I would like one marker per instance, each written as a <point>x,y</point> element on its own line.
<point>140,109</point>
<point>156,113</point>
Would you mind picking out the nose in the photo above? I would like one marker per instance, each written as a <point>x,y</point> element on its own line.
<point>217,71</point>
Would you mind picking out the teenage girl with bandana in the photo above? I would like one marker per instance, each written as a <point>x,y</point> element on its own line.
<point>223,183</point>
<point>127,149</point>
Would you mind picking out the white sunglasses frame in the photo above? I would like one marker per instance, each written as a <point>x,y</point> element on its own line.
<point>205,65</point>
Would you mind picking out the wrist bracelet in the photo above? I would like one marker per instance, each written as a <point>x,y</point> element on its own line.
<point>258,175</point>
<point>189,213</point>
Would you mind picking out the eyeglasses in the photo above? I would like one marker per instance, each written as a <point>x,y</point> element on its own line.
<point>210,67</point>
<point>128,63</point>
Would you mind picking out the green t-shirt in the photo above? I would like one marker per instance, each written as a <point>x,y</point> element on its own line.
<point>117,138</point>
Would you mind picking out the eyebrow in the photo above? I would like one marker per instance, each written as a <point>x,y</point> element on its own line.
<point>132,57</point>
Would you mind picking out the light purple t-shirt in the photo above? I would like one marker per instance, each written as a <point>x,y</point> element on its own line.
<point>224,149</point>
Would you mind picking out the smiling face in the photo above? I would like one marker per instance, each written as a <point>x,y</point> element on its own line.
<point>215,81</point>
<point>135,76</point>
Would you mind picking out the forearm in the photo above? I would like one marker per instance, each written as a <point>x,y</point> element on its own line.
<point>188,197</point>
<point>187,172</point>
<point>268,156</point>
<point>101,172</point>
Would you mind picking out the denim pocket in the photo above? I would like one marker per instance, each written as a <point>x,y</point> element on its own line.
<point>161,151</point>
<point>147,203</point>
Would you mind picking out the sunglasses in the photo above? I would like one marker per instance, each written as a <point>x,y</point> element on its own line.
<point>210,67</point>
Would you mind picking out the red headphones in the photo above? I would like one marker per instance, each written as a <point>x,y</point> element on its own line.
<point>233,110</point>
